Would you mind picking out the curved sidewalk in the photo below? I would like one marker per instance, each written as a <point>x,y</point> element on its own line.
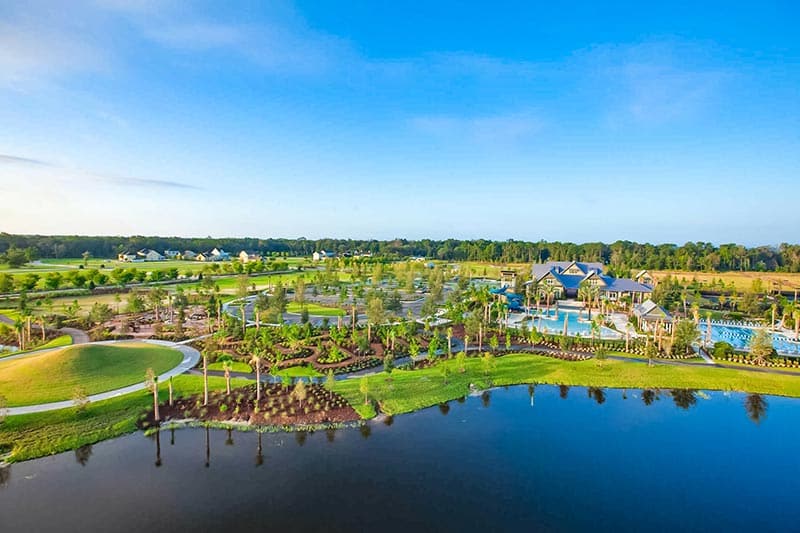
<point>190,359</point>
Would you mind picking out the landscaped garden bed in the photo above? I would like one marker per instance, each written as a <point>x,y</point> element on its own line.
<point>301,405</point>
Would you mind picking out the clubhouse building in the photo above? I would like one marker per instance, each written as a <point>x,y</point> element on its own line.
<point>566,277</point>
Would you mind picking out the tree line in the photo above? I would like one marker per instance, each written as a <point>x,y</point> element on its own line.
<point>621,256</point>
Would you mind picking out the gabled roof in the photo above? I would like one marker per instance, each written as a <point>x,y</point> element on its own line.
<point>625,285</point>
<point>651,310</point>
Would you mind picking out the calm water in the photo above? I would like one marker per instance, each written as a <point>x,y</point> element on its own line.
<point>487,464</point>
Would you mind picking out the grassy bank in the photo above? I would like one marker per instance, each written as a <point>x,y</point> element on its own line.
<point>58,342</point>
<point>54,376</point>
<point>410,390</point>
<point>41,434</point>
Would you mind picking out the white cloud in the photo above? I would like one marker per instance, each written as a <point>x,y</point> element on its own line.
<point>653,82</point>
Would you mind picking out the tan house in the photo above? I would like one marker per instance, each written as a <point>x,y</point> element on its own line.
<point>247,257</point>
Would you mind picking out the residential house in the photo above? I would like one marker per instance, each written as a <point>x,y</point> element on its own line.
<point>147,254</point>
<point>171,254</point>
<point>322,255</point>
<point>248,257</point>
<point>188,255</point>
<point>645,278</point>
<point>219,254</point>
<point>508,278</point>
<point>566,277</point>
<point>126,257</point>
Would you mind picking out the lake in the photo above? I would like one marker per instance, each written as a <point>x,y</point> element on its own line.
<point>592,460</point>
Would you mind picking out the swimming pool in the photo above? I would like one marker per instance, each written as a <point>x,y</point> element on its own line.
<point>739,337</point>
<point>577,324</point>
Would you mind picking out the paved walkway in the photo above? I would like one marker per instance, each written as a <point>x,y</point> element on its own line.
<point>190,359</point>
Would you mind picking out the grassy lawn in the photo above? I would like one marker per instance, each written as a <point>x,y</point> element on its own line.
<point>63,340</point>
<point>302,371</point>
<point>314,309</point>
<point>55,375</point>
<point>410,390</point>
<point>236,366</point>
<point>40,434</point>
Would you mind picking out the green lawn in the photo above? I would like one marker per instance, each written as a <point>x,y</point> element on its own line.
<point>54,376</point>
<point>410,390</point>
<point>302,371</point>
<point>40,434</point>
<point>314,309</point>
<point>62,340</point>
<point>236,366</point>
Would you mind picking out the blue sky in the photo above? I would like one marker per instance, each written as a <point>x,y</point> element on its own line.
<point>372,119</point>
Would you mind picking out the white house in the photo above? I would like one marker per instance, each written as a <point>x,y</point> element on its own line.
<point>149,255</point>
<point>322,254</point>
<point>188,255</point>
<point>220,254</point>
<point>171,254</point>
<point>126,257</point>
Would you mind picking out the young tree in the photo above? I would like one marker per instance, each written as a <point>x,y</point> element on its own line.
<point>80,399</point>
<point>444,370</point>
<point>300,393</point>
<point>601,355</point>
<point>761,346</point>
<point>461,362</point>
<point>363,387</point>
<point>151,380</point>
<point>227,366</point>
<point>685,334</point>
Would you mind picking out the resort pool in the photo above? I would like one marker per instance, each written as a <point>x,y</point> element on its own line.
<point>577,324</point>
<point>739,337</point>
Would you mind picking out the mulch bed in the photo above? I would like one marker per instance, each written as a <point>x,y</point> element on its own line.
<point>278,407</point>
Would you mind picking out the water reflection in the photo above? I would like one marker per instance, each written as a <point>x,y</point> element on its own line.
<point>388,420</point>
<point>684,398</point>
<point>229,440</point>
<point>300,437</point>
<point>5,475</point>
<point>648,396</point>
<point>444,408</point>
<point>756,407</point>
<point>597,394</point>
<point>563,391</point>
<point>83,454</point>
<point>486,398</point>
<point>365,429</point>
<point>208,449</point>
<point>531,392</point>
<point>259,452</point>
<point>158,448</point>
<point>330,435</point>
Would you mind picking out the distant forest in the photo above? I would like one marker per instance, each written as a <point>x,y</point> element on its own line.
<point>621,256</point>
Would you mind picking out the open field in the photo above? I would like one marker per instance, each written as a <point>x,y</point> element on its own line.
<point>40,434</point>
<point>741,280</point>
<point>53,376</point>
<point>410,390</point>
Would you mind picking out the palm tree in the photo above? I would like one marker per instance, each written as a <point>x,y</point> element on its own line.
<point>549,292</point>
<point>796,315</point>
<point>227,365</point>
<point>256,360</point>
<point>260,305</point>
<point>209,349</point>
<point>449,341</point>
